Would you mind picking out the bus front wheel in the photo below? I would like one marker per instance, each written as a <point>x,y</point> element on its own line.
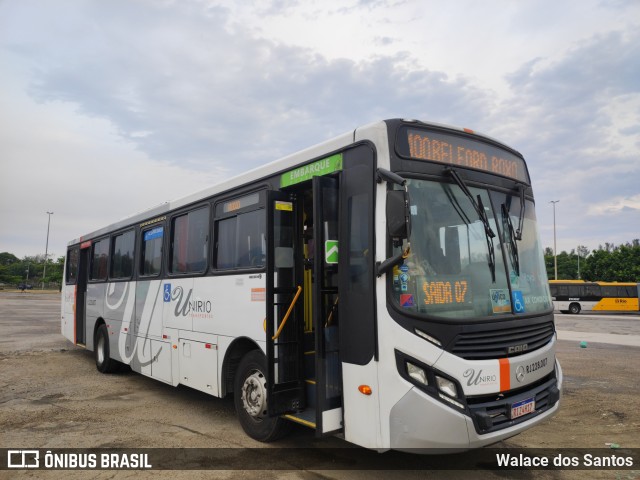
<point>250,399</point>
<point>574,308</point>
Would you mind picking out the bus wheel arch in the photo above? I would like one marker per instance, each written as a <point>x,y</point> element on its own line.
<point>250,399</point>
<point>234,354</point>
<point>574,308</point>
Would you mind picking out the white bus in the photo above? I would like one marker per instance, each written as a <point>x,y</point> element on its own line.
<point>387,286</point>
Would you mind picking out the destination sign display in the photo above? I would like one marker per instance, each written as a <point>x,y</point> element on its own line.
<point>446,292</point>
<point>241,202</point>
<point>459,151</point>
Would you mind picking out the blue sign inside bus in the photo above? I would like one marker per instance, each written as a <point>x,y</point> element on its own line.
<point>153,233</point>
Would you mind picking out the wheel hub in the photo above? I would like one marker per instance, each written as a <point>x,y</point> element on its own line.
<point>254,395</point>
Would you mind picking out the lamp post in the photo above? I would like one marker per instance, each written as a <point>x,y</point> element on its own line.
<point>46,250</point>
<point>555,251</point>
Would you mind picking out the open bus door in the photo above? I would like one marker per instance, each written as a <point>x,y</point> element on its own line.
<point>328,370</point>
<point>303,359</point>
<point>81,294</point>
<point>284,322</point>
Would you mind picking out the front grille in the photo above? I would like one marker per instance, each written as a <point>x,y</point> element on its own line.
<point>508,342</point>
<point>491,412</point>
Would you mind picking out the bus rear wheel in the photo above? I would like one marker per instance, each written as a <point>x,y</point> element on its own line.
<point>250,399</point>
<point>104,362</point>
<point>574,308</point>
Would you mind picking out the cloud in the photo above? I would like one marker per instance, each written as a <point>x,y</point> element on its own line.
<point>569,95</point>
<point>185,89</point>
<point>190,92</point>
<point>616,205</point>
<point>574,115</point>
<point>80,168</point>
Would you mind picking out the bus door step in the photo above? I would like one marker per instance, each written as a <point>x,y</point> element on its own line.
<point>306,417</point>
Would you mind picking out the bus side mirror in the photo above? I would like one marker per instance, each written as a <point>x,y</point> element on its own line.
<point>398,215</point>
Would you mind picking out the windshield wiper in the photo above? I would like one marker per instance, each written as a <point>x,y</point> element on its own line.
<point>482,215</point>
<point>518,235</point>
<point>513,237</point>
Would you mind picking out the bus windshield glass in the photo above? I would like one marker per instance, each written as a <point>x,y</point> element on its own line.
<point>454,270</point>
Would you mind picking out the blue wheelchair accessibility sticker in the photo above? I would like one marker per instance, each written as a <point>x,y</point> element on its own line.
<point>518,301</point>
<point>167,292</point>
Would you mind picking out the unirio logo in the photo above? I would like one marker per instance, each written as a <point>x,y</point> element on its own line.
<point>478,378</point>
<point>185,305</point>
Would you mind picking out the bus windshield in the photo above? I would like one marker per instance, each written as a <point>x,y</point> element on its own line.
<point>455,269</point>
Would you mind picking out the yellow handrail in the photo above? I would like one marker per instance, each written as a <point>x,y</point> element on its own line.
<point>286,317</point>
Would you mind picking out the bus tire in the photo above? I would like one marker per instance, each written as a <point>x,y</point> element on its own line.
<point>104,362</point>
<point>250,399</point>
<point>574,308</point>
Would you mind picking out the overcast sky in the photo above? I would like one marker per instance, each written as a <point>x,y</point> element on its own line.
<point>110,107</point>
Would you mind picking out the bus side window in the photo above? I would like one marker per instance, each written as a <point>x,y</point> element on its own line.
<point>72,266</point>
<point>358,210</point>
<point>99,259</point>
<point>122,251</point>
<point>626,292</point>
<point>576,291</point>
<point>593,291</point>
<point>241,241</point>
<point>151,251</point>
<point>189,239</point>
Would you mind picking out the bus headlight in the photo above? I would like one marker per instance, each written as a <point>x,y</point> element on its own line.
<point>447,386</point>
<point>417,373</point>
<point>448,392</point>
<point>434,383</point>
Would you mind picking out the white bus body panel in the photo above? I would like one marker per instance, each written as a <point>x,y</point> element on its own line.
<point>584,306</point>
<point>68,308</point>
<point>200,316</point>
<point>362,417</point>
<point>199,365</point>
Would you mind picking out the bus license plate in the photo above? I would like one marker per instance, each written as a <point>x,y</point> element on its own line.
<point>523,407</point>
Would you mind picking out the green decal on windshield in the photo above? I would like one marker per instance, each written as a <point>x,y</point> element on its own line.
<point>321,167</point>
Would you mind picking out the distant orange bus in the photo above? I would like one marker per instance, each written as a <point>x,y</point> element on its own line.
<point>575,296</point>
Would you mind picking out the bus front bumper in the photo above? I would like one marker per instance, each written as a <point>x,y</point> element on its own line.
<point>419,422</point>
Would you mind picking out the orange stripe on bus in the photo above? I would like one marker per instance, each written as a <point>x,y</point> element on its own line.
<point>505,375</point>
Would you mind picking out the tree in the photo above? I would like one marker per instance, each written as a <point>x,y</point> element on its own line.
<point>7,258</point>
<point>567,263</point>
<point>614,264</point>
<point>29,270</point>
